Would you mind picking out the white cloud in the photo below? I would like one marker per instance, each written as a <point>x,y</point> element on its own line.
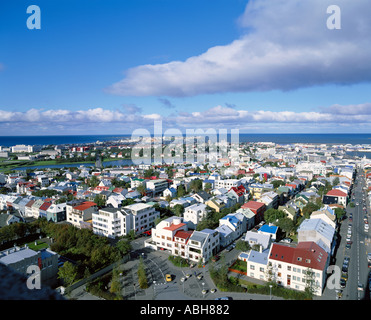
<point>286,46</point>
<point>100,120</point>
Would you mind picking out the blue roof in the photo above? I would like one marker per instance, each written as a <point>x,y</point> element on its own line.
<point>268,229</point>
<point>231,219</point>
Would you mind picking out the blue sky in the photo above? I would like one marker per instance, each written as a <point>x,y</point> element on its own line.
<point>109,67</point>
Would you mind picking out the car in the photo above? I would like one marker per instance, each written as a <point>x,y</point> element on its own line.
<point>182,279</point>
<point>348,246</point>
<point>224,298</point>
<point>229,248</point>
<point>369,264</point>
<point>169,278</point>
<point>286,240</point>
<point>343,283</point>
<point>369,256</point>
<point>360,287</point>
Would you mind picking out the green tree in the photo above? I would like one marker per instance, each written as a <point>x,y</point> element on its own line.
<point>336,181</point>
<point>271,215</point>
<point>99,200</point>
<point>178,210</point>
<point>115,283</point>
<point>93,182</point>
<point>142,277</point>
<point>242,245</point>
<point>124,246</point>
<point>196,185</point>
<point>68,273</point>
<point>181,192</point>
<point>309,208</point>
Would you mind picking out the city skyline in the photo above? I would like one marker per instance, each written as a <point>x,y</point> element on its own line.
<point>257,66</point>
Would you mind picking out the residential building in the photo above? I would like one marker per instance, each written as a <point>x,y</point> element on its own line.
<point>20,259</point>
<point>56,212</point>
<point>139,217</point>
<point>299,267</point>
<point>194,214</point>
<point>78,211</point>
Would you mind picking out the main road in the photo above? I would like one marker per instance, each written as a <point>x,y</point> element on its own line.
<point>358,268</point>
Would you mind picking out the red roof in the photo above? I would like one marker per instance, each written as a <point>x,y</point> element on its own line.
<point>253,205</point>
<point>336,193</point>
<point>175,226</point>
<point>238,191</point>
<point>183,234</point>
<point>85,205</point>
<point>306,254</point>
<point>45,206</point>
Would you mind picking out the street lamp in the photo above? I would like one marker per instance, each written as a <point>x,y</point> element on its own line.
<point>154,289</point>
<point>270,292</point>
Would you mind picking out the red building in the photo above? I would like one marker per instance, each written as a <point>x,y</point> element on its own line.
<point>258,208</point>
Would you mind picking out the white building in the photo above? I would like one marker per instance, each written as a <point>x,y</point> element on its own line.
<point>299,267</point>
<point>80,211</point>
<point>194,214</point>
<point>157,186</point>
<point>139,217</point>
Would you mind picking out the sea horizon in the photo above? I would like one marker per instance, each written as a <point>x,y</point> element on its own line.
<point>279,138</point>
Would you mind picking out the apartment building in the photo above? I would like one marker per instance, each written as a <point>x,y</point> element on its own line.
<point>157,186</point>
<point>299,267</point>
<point>79,211</point>
<point>202,245</point>
<point>19,259</point>
<point>194,214</point>
<point>172,235</point>
<point>139,217</point>
<point>107,222</point>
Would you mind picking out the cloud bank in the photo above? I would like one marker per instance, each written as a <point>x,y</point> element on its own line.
<point>100,120</point>
<point>286,45</point>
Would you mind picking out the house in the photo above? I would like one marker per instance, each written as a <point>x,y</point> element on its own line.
<point>236,222</point>
<point>271,200</point>
<point>78,211</point>
<point>269,230</point>
<point>169,192</point>
<point>258,208</point>
<point>249,217</point>
<point>19,259</point>
<point>256,264</point>
<point>261,239</point>
<point>201,196</point>
<point>291,210</point>
<point>335,196</point>
<point>156,186</point>
<point>202,245</point>
<point>115,200</point>
<point>8,219</point>
<point>238,193</point>
<point>56,212</point>
<point>163,233</point>
<point>216,203</point>
<point>318,231</point>
<point>36,208</point>
<point>226,235</point>
<point>194,214</point>
<point>43,209</point>
<point>298,267</point>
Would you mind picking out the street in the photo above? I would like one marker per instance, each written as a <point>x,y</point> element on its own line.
<point>358,269</point>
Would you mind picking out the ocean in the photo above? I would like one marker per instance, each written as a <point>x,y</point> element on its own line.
<point>8,141</point>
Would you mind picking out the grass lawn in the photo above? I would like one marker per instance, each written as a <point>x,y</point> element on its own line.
<point>240,265</point>
<point>39,245</point>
